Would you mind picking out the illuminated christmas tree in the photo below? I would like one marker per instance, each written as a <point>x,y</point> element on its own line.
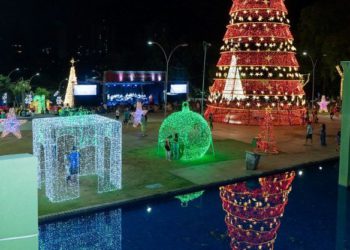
<point>266,142</point>
<point>257,67</point>
<point>72,81</point>
<point>254,209</point>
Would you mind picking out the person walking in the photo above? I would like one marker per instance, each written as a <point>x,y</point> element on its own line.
<point>167,149</point>
<point>323,135</point>
<point>308,133</point>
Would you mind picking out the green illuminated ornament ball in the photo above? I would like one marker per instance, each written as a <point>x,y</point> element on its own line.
<point>193,132</point>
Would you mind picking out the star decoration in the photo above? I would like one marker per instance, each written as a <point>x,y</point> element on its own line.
<point>268,58</point>
<point>323,104</point>
<point>11,125</point>
<point>266,2</point>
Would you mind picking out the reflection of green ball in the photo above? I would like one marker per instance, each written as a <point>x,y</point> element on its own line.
<point>192,129</point>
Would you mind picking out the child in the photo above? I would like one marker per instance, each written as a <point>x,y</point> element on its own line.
<point>167,149</point>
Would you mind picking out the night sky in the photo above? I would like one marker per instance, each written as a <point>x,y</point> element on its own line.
<point>110,34</point>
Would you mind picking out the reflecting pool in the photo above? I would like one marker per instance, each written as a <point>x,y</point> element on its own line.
<point>299,210</point>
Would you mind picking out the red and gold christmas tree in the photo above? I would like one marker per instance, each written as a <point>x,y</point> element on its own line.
<point>254,209</point>
<point>257,67</point>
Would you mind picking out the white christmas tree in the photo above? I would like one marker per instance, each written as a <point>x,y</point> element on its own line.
<point>72,81</point>
<point>233,87</point>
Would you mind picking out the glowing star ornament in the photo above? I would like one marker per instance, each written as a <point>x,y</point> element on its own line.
<point>11,125</point>
<point>137,115</point>
<point>194,135</point>
<point>323,104</point>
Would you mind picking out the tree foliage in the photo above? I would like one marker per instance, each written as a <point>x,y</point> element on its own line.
<point>42,91</point>
<point>323,33</point>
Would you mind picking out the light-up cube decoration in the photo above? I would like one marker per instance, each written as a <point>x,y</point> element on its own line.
<point>99,142</point>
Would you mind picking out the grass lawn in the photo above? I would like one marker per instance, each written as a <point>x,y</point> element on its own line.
<point>142,166</point>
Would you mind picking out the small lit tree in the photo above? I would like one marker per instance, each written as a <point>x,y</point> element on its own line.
<point>266,142</point>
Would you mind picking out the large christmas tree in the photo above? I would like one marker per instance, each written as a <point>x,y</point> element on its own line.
<point>257,67</point>
<point>72,81</point>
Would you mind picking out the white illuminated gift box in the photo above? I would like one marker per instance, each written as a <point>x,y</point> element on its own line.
<point>99,142</point>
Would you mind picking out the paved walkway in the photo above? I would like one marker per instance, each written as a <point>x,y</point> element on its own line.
<point>290,142</point>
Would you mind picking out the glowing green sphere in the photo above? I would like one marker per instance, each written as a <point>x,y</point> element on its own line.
<point>194,135</point>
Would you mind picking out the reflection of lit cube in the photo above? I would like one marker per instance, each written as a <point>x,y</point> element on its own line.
<point>98,140</point>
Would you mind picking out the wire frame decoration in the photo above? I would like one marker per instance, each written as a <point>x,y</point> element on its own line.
<point>194,135</point>
<point>98,141</point>
<point>254,210</point>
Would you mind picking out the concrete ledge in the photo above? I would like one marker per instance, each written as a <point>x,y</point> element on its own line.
<point>195,188</point>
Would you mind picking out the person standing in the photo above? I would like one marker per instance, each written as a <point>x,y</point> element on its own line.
<point>176,155</point>
<point>167,149</point>
<point>117,114</point>
<point>211,119</point>
<point>323,135</point>
<point>126,116</point>
<point>331,114</point>
<point>338,141</point>
<point>308,133</point>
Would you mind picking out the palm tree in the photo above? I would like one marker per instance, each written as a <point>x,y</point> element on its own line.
<point>19,88</point>
<point>4,82</point>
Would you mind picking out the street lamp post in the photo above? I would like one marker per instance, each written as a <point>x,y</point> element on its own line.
<point>167,59</point>
<point>12,71</point>
<point>314,64</point>
<point>59,85</point>
<point>205,47</point>
<point>31,78</point>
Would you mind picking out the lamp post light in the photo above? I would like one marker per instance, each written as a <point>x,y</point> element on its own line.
<point>167,59</point>
<point>97,72</point>
<point>31,78</point>
<point>59,85</point>
<point>12,71</point>
<point>314,64</point>
<point>205,47</point>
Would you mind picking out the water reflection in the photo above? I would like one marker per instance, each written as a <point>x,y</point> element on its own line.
<point>186,198</point>
<point>254,209</point>
<point>96,231</point>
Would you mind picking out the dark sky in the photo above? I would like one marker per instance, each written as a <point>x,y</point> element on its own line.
<point>64,25</point>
